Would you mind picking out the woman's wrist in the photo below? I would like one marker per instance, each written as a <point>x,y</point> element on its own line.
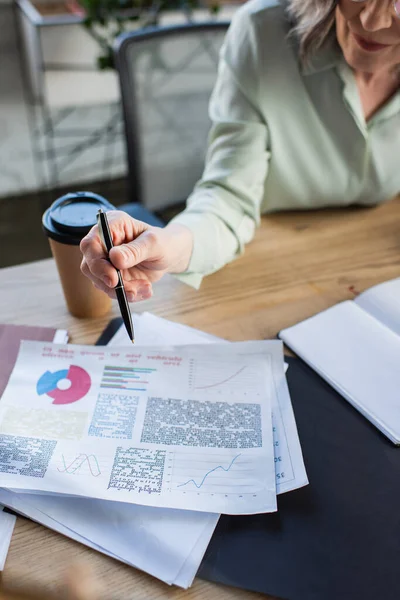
<point>182,247</point>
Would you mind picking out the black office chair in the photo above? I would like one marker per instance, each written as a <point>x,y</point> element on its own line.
<point>166,77</point>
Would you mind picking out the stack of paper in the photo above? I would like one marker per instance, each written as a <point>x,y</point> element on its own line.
<point>165,438</point>
<point>7,523</point>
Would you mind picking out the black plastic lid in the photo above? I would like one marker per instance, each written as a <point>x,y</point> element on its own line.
<point>72,216</point>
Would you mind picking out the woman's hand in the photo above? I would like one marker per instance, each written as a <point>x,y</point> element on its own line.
<point>141,252</point>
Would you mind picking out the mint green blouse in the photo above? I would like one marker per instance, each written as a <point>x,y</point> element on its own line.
<point>283,137</point>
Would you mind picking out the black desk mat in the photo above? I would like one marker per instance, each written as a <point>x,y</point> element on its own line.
<point>339,537</point>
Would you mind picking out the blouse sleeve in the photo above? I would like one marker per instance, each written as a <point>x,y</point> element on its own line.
<point>224,208</point>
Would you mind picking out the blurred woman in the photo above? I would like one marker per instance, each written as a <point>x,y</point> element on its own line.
<point>305,114</point>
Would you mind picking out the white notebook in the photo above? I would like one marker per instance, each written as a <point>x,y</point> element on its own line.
<point>355,347</point>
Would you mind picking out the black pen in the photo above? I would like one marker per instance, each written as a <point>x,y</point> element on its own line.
<point>106,238</point>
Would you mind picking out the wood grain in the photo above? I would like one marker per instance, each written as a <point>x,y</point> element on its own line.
<point>298,265</point>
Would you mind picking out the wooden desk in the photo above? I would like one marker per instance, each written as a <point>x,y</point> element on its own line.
<point>298,265</point>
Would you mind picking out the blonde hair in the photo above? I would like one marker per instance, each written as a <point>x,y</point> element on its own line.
<point>313,20</point>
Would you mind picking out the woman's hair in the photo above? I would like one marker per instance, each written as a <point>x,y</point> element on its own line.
<point>312,22</point>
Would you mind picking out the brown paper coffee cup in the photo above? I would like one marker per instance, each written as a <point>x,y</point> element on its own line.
<point>82,298</point>
<point>65,223</point>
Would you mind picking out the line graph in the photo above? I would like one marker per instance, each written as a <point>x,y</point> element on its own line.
<point>216,473</point>
<point>218,383</point>
<point>88,460</point>
<point>223,378</point>
<point>209,473</point>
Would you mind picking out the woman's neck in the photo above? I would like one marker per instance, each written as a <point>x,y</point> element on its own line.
<point>375,89</point>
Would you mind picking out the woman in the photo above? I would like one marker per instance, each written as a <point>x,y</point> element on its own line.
<point>300,121</point>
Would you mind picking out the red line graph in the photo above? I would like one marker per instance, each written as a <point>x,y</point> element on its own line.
<point>203,387</point>
<point>78,462</point>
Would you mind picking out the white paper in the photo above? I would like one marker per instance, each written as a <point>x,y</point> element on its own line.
<point>192,563</point>
<point>290,471</point>
<point>187,552</point>
<point>151,330</point>
<point>383,302</point>
<point>7,523</point>
<point>358,356</point>
<point>155,540</point>
<point>25,504</point>
<point>60,336</point>
<point>20,504</point>
<point>151,427</point>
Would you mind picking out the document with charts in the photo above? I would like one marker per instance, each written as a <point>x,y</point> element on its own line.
<point>290,471</point>
<point>178,427</point>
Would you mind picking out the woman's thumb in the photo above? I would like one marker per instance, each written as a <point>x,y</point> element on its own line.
<point>128,255</point>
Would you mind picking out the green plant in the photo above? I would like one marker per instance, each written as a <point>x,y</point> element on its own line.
<point>107,19</point>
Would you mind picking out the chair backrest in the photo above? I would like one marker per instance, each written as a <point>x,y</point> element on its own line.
<point>166,77</point>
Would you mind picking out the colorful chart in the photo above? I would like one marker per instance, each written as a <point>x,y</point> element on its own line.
<point>78,382</point>
<point>134,379</point>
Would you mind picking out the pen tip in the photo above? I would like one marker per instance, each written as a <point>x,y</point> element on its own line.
<point>133,340</point>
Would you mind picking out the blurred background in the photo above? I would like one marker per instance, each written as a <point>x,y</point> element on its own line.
<point>81,110</point>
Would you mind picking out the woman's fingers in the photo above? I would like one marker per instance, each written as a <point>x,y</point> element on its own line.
<point>95,259</point>
<point>131,248</point>
<point>136,289</point>
<point>144,248</point>
<point>123,227</point>
<point>137,252</point>
<point>97,282</point>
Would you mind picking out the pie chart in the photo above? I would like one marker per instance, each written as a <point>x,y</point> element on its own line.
<point>64,386</point>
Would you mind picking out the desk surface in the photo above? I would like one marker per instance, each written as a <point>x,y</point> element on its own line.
<point>298,265</point>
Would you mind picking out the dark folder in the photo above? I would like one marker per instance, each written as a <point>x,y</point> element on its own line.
<point>339,537</point>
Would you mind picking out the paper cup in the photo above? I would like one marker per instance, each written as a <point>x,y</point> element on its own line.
<point>65,223</point>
